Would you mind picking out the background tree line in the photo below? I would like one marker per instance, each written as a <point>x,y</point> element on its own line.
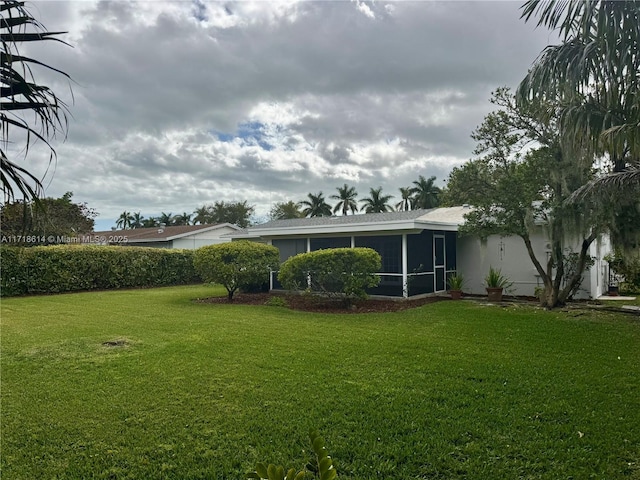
<point>236,213</point>
<point>423,193</point>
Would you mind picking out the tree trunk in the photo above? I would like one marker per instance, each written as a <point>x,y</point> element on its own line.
<point>549,296</point>
<point>582,260</point>
<point>230,292</point>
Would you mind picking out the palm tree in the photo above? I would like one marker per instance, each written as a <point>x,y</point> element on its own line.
<point>315,206</point>
<point>425,193</point>
<point>136,220</point>
<point>405,204</point>
<point>20,92</point>
<point>347,200</point>
<point>376,202</point>
<point>124,220</point>
<point>202,215</point>
<point>150,222</point>
<point>285,210</point>
<point>165,219</point>
<point>184,219</point>
<point>593,76</point>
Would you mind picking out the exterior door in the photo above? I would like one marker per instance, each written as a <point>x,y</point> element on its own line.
<point>439,264</point>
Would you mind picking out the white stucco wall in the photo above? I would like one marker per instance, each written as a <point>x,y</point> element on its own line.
<point>202,239</point>
<point>509,254</point>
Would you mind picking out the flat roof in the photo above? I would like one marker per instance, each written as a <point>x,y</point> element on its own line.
<point>445,218</point>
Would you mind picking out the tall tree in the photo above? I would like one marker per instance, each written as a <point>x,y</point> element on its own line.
<point>237,213</point>
<point>45,220</point>
<point>404,205</point>
<point>425,193</point>
<point>592,85</point>
<point>285,210</point>
<point>523,191</point>
<point>166,219</point>
<point>124,220</point>
<point>184,219</point>
<point>21,93</point>
<point>202,215</point>
<point>376,202</point>
<point>347,200</point>
<point>137,220</point>
<point>150,222</point>
<point>315,206</point>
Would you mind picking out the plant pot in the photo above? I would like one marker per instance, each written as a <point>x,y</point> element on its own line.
<point>494,294</point>
<point>455,294</point>
<point>613,291</point>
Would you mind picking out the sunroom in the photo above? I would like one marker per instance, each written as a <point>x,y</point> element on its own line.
<point>418,247</point>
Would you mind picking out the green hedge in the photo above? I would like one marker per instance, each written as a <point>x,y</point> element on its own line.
<point>68,268</point>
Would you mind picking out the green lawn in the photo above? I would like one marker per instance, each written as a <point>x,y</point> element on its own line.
<point>199,391</point>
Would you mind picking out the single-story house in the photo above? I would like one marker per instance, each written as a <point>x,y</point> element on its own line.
<point>182,236</point>
<point>420,249</point>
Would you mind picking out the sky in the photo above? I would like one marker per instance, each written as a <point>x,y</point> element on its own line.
<point>174,105</point>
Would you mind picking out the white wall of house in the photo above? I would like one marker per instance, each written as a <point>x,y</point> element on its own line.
<point>201,239</point>
<point>509,254</point>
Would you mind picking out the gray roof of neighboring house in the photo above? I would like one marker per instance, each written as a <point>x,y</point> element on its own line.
<point>159,234</point>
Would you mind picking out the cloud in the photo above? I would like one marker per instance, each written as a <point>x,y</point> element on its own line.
<point>177,104</point>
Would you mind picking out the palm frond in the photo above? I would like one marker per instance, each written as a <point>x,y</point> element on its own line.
<point>625,184</point>
<point>20,92</point>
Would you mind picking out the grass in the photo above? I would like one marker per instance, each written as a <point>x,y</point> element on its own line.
<point>452,390</point>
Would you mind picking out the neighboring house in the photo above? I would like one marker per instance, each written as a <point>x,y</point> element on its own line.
<point>420,249</point>
<point>183,236</point>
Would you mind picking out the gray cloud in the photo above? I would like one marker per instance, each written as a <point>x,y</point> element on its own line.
<point>183,103</point>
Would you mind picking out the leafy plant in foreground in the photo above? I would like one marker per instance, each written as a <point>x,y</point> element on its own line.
<point>322,470</point>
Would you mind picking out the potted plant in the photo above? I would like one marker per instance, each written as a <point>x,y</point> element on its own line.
<point>455,286</point>
<point>496,283</point>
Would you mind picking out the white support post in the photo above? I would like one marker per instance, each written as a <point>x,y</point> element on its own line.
<point>353,241</point>
<point>405,267</point>
<point>308,250</point>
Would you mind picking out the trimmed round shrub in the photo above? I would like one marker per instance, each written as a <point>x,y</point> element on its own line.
<point>236,265</point>
<point>346,272</point>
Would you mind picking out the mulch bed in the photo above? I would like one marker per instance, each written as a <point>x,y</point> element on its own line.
<point>309,303</point>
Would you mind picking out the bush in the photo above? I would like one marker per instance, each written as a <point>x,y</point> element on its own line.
<point>346,272</point>
<point>321,469</point>
<point>277,302</point>
<point>627,266</point>
<point>69,268</point>
<point>236,265</point>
